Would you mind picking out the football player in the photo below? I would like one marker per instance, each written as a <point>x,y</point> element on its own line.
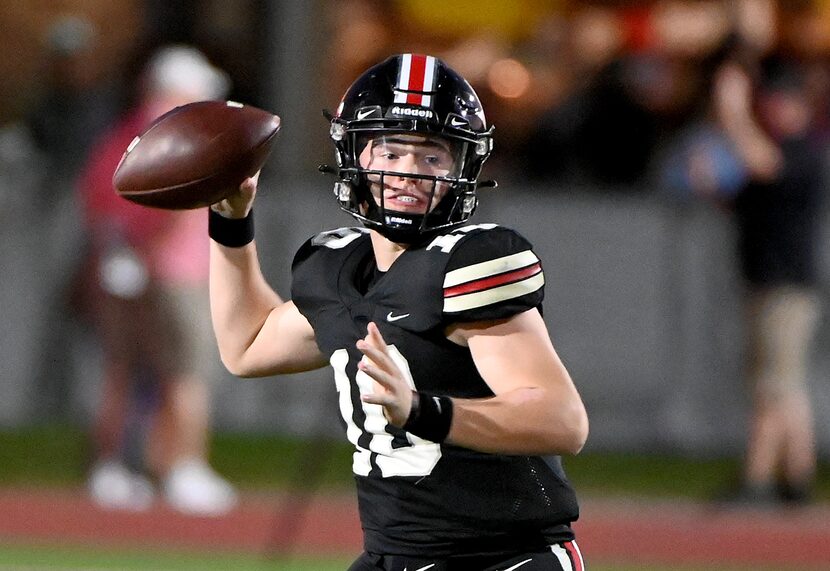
<point>452,394</point>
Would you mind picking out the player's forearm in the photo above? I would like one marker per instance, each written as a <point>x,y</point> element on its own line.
<point>240,301</point>
<point>520,421</point>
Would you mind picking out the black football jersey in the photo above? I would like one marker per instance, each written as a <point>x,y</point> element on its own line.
<point>417,496</point>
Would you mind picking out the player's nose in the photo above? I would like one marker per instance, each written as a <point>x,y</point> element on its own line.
<point>409,164</point>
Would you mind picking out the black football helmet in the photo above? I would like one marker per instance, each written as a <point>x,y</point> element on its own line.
<point>410,95</point>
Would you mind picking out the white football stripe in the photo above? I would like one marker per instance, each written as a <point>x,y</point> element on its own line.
<point>578,552</point>
<point>133,143</point>
<point>490,268</point>
<point>562,555</point>
<point>403,78</point>
<point>429,81</point>
<point>494,295</point>
<point>429,74</point>
<point>406,65</point>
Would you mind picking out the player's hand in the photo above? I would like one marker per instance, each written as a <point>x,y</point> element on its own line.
<point>239,203</point>
<point>392,389</point>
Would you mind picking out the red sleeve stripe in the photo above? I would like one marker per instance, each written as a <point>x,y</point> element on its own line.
<point>493,281</point>
<point>488,268</point>
<point>496,294</point>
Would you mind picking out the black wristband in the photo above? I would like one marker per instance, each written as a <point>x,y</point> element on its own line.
<point>231,232</point>
<point>430,416</point>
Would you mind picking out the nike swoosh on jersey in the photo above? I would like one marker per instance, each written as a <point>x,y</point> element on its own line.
<point>492,281</point>
<point>390,318</point>
<point>517,565</point>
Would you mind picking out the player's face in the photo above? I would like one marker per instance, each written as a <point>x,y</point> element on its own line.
<point>402,154</point>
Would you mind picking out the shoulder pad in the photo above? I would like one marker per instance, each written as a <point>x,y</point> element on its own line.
<point>446,242</point>
<point>492,273</point>
<point>339,238</point>
<point>332,239</point>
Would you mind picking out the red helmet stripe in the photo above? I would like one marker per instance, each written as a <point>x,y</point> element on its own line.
<point>416,78</point>
<point>417,69</point>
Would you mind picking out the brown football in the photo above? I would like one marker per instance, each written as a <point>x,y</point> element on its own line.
<point>196,154</point>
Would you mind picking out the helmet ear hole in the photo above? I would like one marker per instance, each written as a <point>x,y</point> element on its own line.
<point>343,192</point>
<point>337,131</point>
<point>468,205</point>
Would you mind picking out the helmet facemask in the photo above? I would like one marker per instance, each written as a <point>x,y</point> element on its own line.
<point>408,185</point>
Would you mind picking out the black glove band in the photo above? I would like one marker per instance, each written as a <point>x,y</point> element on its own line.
<point>231,232</point>
<point>430,416</point>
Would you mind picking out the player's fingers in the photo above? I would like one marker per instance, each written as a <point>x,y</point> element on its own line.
<point>238,204</point>
<point>396,407</point>
<point>383,378</point>
<point>377,398</point>
<point>377,349</point>
<point>249,186</point>
<point>377,355</point>
<point>374,335</point>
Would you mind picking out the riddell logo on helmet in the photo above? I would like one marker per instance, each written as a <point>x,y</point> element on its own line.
<point>412,112</point>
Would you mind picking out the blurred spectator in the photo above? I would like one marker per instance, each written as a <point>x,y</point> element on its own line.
<point>147,287</point>
<point>77,103</point>
<point>602,133</point>
<point>769,121</point>
<point>752,145</point>
<point>700,160</point>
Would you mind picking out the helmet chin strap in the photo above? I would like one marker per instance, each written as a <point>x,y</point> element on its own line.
<point>401,227</point>
<point>401,235</point>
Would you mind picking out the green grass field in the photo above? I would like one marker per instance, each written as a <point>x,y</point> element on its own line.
<point>30,558</point>
<point>57,455</point>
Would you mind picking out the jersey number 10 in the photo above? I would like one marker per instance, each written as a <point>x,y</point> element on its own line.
<point>417,458</point>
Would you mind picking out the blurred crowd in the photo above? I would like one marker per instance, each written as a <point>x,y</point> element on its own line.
<point>680,99</point>
<point>601,92</point>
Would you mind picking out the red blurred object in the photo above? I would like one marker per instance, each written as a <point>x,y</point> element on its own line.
<point>638,27</point>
